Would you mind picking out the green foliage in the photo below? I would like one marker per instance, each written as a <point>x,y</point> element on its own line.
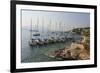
<point>82,31</point>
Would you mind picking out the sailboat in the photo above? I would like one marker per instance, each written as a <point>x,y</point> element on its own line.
<point>34,34</point>
<point>40,39</point>
<point>32,40</point>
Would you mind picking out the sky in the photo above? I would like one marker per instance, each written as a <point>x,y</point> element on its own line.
<point>53,20</point>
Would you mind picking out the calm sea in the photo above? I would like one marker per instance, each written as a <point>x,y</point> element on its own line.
<point>37,53</point>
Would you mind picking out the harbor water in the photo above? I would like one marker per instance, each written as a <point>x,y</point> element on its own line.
<point>37,53</point>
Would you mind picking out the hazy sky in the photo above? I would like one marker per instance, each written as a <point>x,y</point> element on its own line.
<point>55,20</point>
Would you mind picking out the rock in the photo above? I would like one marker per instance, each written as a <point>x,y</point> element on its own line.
<point>84,55</point>
<point>77,46</point>
<point>75,52</point>
<point>67,54</point>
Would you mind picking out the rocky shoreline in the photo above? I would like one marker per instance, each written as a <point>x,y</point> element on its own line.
<point>77,51</point>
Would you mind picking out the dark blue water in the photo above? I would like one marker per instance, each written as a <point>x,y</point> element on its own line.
<point>37,53</point>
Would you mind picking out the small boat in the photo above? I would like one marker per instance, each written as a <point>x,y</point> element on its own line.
<point>32,42</point>
<point>46,41</point>
<point>41,42</point>
<point>36,34</point>
<point>51,40</point>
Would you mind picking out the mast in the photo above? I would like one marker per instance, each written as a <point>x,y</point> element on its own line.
<point>56,29</point>
<point>48,28</point>
<point>43,26</point>
<point>54,26</point>
<point>63,29</point>
<point>31,29</point>
<point>37,23</point>
<point>60,28</point>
